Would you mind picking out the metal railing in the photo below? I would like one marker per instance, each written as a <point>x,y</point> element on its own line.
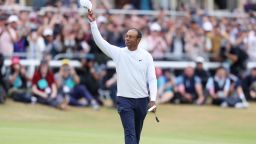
<point>32,64</point>
<point>69,56</point>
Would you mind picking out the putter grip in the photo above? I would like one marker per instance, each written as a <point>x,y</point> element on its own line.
<point>152,108</point>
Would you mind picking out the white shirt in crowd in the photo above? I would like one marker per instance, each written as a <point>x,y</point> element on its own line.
<point>225,83</point>
<point>7,41</point>
<point>250,40</point>
<point>135,69</point>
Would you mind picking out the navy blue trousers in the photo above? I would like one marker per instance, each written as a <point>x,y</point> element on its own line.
<point>78,92</point>
<point>132,113</point>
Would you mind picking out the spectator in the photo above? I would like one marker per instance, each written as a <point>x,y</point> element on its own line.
<point>250,41</point>
<point>249,84</point>
<point>208,34</point>
<point>10,2</point>
<point>68,84</point>
<point>216,40</point>
<point>8,36</point>
<point>44,87</point>
<point>115,34</point>
<point>200,71</point>
<point>235,58</point>
<point>249,6</point>
<point>92,73</point>
<point>189,88</point>
<point>236,90</point>
<point>82,45</point>
<point>165,83</point>
<point>22,29</point>
<point>69,38</point>
<point>13,22</point>
<point>111,84</point>
<point>36,45</point>
<point>219,88</point>
<point>253,90</point>
<point>18,80</point>
<point>176,40</point>
<point>156,44</point>
<point>194,41</point>
<point>52,46</point>
<point>3,88</point>
<point>2,75</point>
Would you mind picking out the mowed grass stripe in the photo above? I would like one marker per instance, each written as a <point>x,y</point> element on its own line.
<point>181,124</point>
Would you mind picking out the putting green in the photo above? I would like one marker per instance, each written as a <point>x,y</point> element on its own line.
<point>179,124</point>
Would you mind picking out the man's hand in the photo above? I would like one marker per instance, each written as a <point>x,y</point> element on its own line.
<point>91,16</point>
<point>152,103</point>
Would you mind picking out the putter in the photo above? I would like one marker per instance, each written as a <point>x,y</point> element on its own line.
<point>151,109</point>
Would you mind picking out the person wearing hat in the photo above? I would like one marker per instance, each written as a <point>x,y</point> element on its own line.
<point>200,71</point>
<point>44,87</point>
<point>8,37</point>
<point>18,80</point>
<point>156,44</point>
<point>13,22</point>
<point>51,45</point>
<point>68,83</point>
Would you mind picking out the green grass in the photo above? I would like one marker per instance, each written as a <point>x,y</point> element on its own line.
<point>36,124</point>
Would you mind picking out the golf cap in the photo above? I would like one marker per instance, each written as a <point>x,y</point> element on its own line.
<point>48,32</point>
<point>13,18</point>
<point>155,27</point>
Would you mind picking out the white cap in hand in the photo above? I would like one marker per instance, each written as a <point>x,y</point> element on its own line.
<point>86,4</point>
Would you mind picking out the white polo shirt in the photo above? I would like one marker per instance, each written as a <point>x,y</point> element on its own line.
<point>136,76</point>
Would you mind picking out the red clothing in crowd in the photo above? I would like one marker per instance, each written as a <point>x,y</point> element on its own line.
<point>49,78</point>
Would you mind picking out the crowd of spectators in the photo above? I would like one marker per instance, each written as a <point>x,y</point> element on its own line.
<point>53,31</point>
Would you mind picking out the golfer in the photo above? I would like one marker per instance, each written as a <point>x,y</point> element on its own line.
<point>136,79</point>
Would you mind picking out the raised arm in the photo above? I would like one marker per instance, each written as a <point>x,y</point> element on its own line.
<point>110,50</point>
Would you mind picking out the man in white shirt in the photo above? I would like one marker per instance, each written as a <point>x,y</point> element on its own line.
<point>136,80</point>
